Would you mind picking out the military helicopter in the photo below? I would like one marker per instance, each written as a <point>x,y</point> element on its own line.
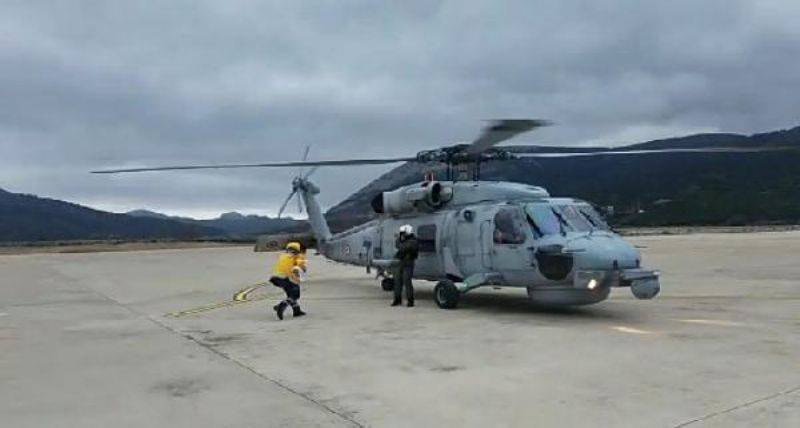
<point>475,233</point>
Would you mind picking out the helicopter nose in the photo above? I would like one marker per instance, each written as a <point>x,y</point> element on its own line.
<point>606,253</point>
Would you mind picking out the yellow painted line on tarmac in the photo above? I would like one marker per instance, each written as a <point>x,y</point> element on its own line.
<point>630,330</point>
<point>240,297</point>
<point>247,295</point>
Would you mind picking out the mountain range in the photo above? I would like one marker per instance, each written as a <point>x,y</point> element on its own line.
<point>26,218</point>
<point>29,218</point>
<point>643,190</point>
<point>233,224</point>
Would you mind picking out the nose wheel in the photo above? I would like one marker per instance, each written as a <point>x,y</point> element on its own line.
<point>446,294</point>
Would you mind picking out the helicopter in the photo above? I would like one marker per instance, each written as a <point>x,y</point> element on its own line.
<point>475,233</point>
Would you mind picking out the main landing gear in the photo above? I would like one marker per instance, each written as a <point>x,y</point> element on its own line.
<point>446,294</point>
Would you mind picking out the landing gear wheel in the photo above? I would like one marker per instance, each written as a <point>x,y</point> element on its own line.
<point>387,284</point>
<point>446,294</point>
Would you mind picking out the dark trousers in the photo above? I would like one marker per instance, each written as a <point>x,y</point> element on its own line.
<point>402,279</point>
<point>292,291</point>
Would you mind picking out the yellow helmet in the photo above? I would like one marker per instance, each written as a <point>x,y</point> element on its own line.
<point>294,246</point>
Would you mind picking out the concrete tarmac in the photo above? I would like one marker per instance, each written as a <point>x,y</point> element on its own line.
<point>153,338</point>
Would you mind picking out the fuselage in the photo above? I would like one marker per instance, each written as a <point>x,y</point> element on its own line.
<point>517,234</point>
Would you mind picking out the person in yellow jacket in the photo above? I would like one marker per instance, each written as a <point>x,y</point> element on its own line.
<point>286,275</point>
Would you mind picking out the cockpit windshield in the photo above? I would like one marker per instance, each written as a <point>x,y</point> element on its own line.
<point>543,219</point>
<point>593,217</point>
<point>550,218</point>
<point>574,217</point>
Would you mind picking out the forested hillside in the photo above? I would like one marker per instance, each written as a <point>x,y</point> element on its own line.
<point>647,189</point>
<point>26,218</point>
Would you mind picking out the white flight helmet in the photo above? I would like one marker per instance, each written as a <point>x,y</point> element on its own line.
<point>407,229</point>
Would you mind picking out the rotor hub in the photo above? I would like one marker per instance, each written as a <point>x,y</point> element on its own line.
<point>455,155</point>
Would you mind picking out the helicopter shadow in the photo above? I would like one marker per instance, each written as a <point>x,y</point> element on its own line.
<point>521,306</point>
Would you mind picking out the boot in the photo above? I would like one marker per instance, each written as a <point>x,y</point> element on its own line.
<point>396,302</point>
<point>297,312</point>
<point>279,308</point>
<point>410,303</point>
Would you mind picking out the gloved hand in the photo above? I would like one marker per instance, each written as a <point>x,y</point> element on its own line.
<point>300,273</point>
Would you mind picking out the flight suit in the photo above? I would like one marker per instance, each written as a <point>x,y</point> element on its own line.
<point>407,252</point>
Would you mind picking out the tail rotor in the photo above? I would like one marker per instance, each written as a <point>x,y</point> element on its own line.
<point>286,202</point>
<point>298,183</point>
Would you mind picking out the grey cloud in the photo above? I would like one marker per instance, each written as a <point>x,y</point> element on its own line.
<point>86,85</point>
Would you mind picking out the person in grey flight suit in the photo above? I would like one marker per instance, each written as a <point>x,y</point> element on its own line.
<point>407,252</point>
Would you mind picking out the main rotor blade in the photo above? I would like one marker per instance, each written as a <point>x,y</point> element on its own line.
<point>310,172</point>
<point>286,202</point>
<point>343,162</point>
<point>501,130</point>
<point>551,155</point>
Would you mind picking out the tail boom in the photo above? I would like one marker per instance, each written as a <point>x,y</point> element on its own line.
<point>319,226</point>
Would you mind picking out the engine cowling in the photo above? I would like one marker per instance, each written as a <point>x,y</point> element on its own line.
<point>427,196</point>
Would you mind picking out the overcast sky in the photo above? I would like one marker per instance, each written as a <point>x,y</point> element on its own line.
<point>92,84</point>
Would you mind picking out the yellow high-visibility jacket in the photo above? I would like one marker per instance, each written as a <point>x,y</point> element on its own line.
<point>287,266</point>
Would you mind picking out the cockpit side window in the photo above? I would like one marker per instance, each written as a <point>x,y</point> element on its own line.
<point>507,228</point>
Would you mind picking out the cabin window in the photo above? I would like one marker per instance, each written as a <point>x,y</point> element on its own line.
<point>507,228</point>
<point>426,237</point>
